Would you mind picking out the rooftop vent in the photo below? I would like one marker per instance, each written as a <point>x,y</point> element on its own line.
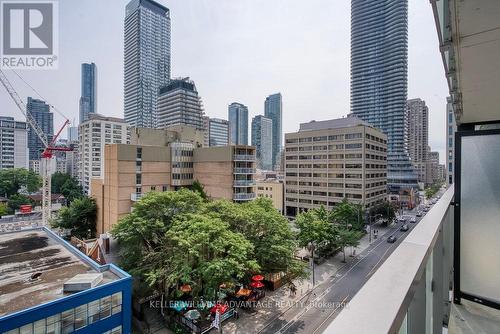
<point>82,282</point>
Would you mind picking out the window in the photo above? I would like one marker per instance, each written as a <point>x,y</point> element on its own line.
<point>67,321</point>
<point>93,313</point>
<point>81,316</point>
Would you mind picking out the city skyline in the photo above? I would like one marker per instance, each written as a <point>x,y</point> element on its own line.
<point>300,78</point>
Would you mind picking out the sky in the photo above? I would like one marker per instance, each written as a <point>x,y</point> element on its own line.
<point>237,50</point>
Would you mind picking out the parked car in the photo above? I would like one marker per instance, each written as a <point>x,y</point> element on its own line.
<point>413,220</point>
<point>419,214</point>
<point>392,239</point>
<point>404,228</point>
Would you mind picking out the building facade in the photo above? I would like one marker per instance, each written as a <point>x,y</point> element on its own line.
<point>179,104</point>
<point>147,60</point>
<point>328,161</point>
<point>273,190</point>
<point>94,134</point>
<point>45,120</point>
<point>432,167</point>
<point>131,171</point>
<point>273,109</point>
<point>262,139</point>
<point>418,135</point>
<point>238,124</point>
<point>13,143</point>
<point>72,294</point>
<point>88,99</point>
<point>379,83</point>
<point>218,132</point>
<point>73,134</point>
<point>451,128</point>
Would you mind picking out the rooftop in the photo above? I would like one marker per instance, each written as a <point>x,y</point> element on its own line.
<point>332,124</point>
<point>34,265</point>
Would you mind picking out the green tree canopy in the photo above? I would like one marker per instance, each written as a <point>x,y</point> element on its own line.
<point>80,217</point>
<point>4,210</point>
<point>200,189</point>
<point>345,237</point>
<point>347,213</point>
<point>315,227</point>
<point>201,251</point>
<point>385,209</point>
<point>13,179</point>
<point>65,184</point>
<point>16,200</point>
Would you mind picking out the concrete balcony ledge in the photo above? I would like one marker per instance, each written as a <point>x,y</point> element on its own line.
<point>242,170</point>
<point>244,157</point>
<point>134,197</point>
<point>244,196</point>
<point>243,183</point>
<point>383,302</point>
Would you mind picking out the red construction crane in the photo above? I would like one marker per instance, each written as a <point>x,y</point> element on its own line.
<point>47,153</point>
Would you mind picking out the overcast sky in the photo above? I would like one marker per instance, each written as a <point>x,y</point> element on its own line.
<point>238,50</point>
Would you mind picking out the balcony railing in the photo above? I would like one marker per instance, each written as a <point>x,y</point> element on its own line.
<point>243,183</point>
<point>241,170</point>
<point>409,291</point>
<point>244,196</point>
<point>134,197</point>
<point>244,157</point>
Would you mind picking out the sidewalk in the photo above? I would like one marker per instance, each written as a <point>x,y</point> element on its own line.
<point>280,300</point>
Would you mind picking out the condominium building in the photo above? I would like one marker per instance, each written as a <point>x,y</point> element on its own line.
<point>432,175</point>
<point>179,104</point>
<point>206,130</point>
<point>328,161</point>
<point>379,79</point>
<point>273,109</point>
<point>418,135</point>
<point>88,98</point>
<point>13,143</point>
<point>238,123</point>
<point>131,170</point>
<point>218,132</point>
<point>94,134</point>
<point>262,139</point>
<point>147,60</point>
<point>271,189</point>
<point>73,133</point>
<point>40,111</point>
<point>451,128</point>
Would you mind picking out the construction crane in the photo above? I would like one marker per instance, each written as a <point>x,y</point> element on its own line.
<point>48,152</point>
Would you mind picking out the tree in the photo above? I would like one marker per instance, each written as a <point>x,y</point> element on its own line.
<point>201,251</point>
<point>80,217</point>
<point>267,230</point>
<point>14,179</point>
<point>200,189</point>
<point>345,237</point>
<point>315,227</point>
<point>4,209</point>
<point>140,232</point>
<point>432,190</point>
<point>386,209</point>
<point>65,184</point>
<point>348,214</point>
<point>16,200</point>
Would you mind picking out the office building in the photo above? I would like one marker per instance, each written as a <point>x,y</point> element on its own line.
<point>451,128</point>
<point>218,132</point>
<point>262,139</point>
<point>271,189</point>
<point>132,170</point>
<point>273,109</point>
<point>49,286</point>
<point>94,134</point>
<point>432,167</point>
<point>179,104</point>
<point>147,60</point>
<point>238,124</point>
<point>418,135</point>
<point>45,120</point>
<point>328,161</point>
<point>88,99</point>
<point>73,134</point>
<point>13,143</point>
<point>379,66</point>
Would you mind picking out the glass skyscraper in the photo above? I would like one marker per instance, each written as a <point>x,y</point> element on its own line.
<point>147,60</point>
<point>45,120</point>
<point>88,99</point>
<point>273,109</point>
<point>262,139</point>
<point>238,123</point>
<point>379,73</point>
<point>218,132</point>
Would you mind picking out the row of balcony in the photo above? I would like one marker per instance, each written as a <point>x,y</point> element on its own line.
<point>244,196</point>
<point>244,157</point>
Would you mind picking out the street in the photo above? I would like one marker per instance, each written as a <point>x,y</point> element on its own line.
<point>320,307</point>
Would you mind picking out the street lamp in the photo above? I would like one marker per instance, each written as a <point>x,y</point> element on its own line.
<point>311,246</point>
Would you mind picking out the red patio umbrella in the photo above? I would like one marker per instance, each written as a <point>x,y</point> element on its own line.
<point>257,284</point>
<point>257,278</point>
<point>185,288</point>
<point>220,307</point>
